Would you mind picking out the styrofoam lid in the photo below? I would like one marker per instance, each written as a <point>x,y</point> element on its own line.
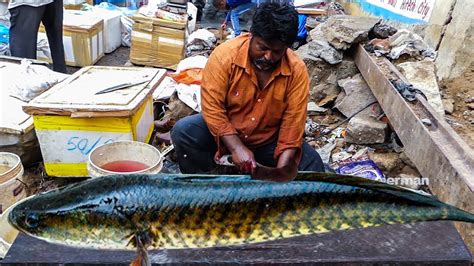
<point>82,19</point>
<point>78,92</point>
<point>12,117</point>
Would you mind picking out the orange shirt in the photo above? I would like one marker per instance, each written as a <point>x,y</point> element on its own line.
<point>232,102</point>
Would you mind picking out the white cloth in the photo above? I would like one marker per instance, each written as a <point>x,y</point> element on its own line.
<point>35,3</point>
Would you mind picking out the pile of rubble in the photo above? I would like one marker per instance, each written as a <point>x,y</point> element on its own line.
<point>345,123</point>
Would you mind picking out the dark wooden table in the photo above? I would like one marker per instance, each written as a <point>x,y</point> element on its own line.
<point>430,243</point>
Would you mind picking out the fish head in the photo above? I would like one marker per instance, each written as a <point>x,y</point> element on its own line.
<point>71,216</point>
<point>46,216</point>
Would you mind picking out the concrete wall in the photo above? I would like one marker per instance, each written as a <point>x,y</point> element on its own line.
<point>448,28</point>
<point>456,51</point>
<point>439,18</point>
<point>430,25</point>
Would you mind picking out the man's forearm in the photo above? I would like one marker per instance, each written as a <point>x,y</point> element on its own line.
<point>288,164</point>
<point>231,142</point>
<point>286,170</point>
<point>287,158</point>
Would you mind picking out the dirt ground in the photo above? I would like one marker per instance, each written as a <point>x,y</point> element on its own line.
<point>461,91</point>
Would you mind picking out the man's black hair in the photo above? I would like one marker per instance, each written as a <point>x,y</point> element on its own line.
<point>275,21</point>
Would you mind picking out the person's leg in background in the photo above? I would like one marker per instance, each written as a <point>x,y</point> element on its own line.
<point>235,13</point>
<point>310,160</point>
<point>53,23</point>
<point>194,145</point>
<point>200,4</point>
<point>25,21</point>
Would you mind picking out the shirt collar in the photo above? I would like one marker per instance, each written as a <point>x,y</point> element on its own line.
<point>243,61</point>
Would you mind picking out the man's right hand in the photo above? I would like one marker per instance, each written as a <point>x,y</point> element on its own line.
<point>224,26</point>
<point>242,157</point>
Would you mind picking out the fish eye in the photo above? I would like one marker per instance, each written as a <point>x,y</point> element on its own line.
<point>31,220</point>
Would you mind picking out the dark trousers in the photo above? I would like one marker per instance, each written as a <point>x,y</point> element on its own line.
<point>200,4</point>
<point>25,21</point>
<point>196,147</point>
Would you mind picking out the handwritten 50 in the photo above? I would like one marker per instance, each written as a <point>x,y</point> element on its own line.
<point>84,145</point>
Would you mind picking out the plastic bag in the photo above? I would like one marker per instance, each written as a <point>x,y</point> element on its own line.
<point>26,81</point>
<point>127,25</point>
<point>367,169</point>
<point>4,49</point>
<point>4,34</point>
<point>189,70</point>
<point>190,95</point>
<point>202,36</point>
<point>190,76</point>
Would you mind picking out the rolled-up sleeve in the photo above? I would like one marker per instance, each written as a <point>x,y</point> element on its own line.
<point>214,87</point>
<point>294,117</point>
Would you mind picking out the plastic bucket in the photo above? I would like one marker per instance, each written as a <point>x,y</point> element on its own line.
<point>124,157</point>
<point>11,186</point>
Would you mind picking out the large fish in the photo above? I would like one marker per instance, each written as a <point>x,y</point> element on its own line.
<point>169,212</point>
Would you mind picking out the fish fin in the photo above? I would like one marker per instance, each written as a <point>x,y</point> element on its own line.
<point>142,258</point>
<point>204,177</point>
<point>452,212</point>
<point>365,183</point>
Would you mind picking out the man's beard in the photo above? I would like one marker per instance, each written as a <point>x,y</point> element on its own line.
<point>264,64</point>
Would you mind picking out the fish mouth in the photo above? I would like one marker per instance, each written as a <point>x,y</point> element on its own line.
<point>16,214</point>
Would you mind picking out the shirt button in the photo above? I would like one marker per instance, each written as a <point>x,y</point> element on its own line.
<point>253,118</point>
<point>259,100</point>
<point>246,136</point>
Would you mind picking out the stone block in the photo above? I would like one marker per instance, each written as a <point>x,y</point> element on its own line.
<point>341,31</point>
<point>365,130</point>
<point>422,75</point>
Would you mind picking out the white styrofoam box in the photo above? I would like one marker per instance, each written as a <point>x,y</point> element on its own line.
<point>83,39</point>
<point>97,48</point>
<point>192,10</point>
<point>112,28</point>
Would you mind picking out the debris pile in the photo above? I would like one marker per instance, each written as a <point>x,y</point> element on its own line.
<point>349,128</point>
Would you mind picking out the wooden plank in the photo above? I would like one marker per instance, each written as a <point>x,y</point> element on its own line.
<point>430,243</point>
<point>80,100</point>
<point>436,150</point>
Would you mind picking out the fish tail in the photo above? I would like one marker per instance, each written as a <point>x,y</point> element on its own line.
<point>456,214</point>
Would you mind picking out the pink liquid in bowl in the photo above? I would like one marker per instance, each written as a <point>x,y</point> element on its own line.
<point>124,166</point>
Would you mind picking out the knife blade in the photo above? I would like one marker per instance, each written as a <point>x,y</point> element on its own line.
<point>120,87</point>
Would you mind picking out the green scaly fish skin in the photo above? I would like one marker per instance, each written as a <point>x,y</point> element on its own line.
<point>168,212</point>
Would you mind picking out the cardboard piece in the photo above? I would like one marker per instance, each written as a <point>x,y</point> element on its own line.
<point>157,42</point>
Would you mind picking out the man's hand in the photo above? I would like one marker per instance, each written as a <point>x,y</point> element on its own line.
<point>224,26</point>
<point>286,170</point>
<point>242,157</point>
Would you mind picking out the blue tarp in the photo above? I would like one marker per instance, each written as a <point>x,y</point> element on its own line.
<point>302,31</point>
<point>4,34</point>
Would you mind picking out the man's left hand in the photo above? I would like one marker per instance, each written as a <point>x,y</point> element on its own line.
<point>286,170</point>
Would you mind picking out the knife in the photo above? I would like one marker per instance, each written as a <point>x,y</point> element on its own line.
<point>120,87</point>
<point>262,172</point>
